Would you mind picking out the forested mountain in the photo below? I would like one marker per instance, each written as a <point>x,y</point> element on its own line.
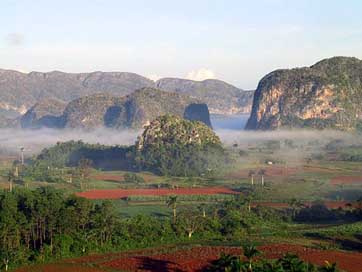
<point>325,95</point>
<point>104,110</point>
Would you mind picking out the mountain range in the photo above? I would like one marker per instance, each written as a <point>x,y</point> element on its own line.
<point>20,91</point>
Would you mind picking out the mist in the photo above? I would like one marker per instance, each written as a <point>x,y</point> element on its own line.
<point>243,137</point>
<point>303,144</point>
<point>35,140</point>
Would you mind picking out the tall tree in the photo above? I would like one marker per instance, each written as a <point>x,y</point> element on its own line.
<point>250,252</point>
<point>11,178</point>
<point>85,169</point>
<point>172,203</point>
<point>251,176</point>
<point>262,173</point>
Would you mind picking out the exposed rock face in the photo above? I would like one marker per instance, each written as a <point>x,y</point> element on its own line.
<point>198,112</point>
<point>221,97</point>
<point>325,95</point>
<point>104,110</point>
<point>174,130</point>
<point>46,113</point>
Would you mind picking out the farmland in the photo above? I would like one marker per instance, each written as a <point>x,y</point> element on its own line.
<point>197,258</point>
<point>306,204</point>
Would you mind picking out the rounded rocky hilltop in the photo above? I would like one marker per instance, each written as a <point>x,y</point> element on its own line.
<point>169,130</point>
<point>171,145</point>
<point>325,95</point>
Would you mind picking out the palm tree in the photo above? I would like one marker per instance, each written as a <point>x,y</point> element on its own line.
<point>329,267</point>
<point>202,208</point>
<point>172,202</point>
<point>291,262</point>
<point>250,252</point>
<point>226,263</point>
<point>272,267</point>
<point>295,205</point>
<point>251,176</point>
<point>248,199</point>
<point>11,178</point>
<point>262,173</point>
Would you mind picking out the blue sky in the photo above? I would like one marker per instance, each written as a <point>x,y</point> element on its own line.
<point>233,40</point>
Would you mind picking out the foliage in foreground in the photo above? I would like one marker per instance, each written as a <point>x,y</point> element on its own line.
<point>248,263</point>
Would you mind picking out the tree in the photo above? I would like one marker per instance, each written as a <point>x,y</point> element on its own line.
<point>248,201</point>
<point>10,239</point>
<point>295,205</point>
<point>262,173</point>
<point>85,168</point>
<point>227,263</point>
<point>11,178</point>
<point>329,267</point>
<point>250,252</point>
<point>189,221</point>
<point>291,262</point>
<point>105,221</point>
<point>251,176</point>
<point>172,203</point>
<point>202,208</point>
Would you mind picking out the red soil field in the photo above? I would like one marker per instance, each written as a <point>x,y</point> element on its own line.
<point>193,259</point>
<point>60,268</point>
<point>197,258</point>
<point>121,193</point>
<point>108,177</point>
<point>271,171</point>
<point>346,180</point>
<point>119,178</point>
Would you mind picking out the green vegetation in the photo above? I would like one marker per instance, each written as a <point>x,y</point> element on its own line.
<point>194,148</point>
<point>288,263</point>
<point>283,184</point>
<point>43,225</point>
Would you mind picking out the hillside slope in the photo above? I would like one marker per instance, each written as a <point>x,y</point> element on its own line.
<point>104,110</point>
<point>19,91</point>
<point>221,97</point>
<point>325,95</point>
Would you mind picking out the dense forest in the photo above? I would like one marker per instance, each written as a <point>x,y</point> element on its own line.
<point>175,160</point>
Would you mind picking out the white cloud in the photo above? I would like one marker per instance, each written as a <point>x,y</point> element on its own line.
<point>154,77</point>
<point>201,74</point>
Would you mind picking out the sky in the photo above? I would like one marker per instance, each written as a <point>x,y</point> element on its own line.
<point>233,40</point>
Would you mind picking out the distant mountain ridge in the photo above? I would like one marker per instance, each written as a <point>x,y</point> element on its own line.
<point>104,110</point>
<point>20,91</point>
<point>221,97</point>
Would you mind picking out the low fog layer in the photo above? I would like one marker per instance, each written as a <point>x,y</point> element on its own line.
<point>246,137</point>
<point>35,140</point>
